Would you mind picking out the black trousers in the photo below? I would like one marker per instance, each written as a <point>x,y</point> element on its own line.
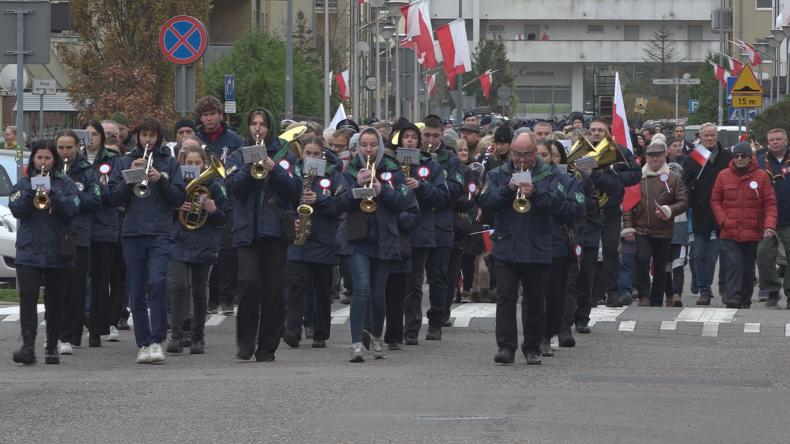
<point>345,273</point>
<point>656,249</point>
<point>29,280</point>
<point>118,286</point>
<point>74,299</point>
<point>739,258</point>
<point>222,280</point>
<point>532,277</point>
<point>578,300</point>
<point>260,313</point>
<point>468,269</point>
<point>675,276</point>
<point>303,277</point>
<point>556,288</point>
<point>394,297</point>
<point>610,243</point>
<point>453,271</point>
<point>103,308</point>
<point>435,261</point>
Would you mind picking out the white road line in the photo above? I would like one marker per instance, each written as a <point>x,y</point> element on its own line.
<point>669,325</point>
<point>339,317</point>
<point>10,318</point>
<point>787,330</point>
<point>463,314</point>
<point>710,329</point>
<point>14,310</point>
<point>604,314</point>
<point>215,320</point>
<point>627,326</point>
<point>751,327</point>
<point>690,314</point>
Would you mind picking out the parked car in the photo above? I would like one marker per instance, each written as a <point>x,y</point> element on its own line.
<point>7,245</point>
<point>727,135</point>
<point>8,173</point>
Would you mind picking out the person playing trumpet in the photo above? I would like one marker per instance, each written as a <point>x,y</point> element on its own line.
<point>146,235</point>
<point>40,257</point>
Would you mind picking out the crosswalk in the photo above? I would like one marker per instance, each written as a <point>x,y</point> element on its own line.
<point>693,321</point>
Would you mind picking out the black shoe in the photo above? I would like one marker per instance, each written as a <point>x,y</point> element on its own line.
<point>123,324</point>
<point>505,356</point>
<point>94,340</point>
<point>264,357</point>
<point>197,347</point>
<point>245,352</point>
<point>566,338</point>
<point>533,358</point>
<point>583,328</point>
<point>25,355</point>
<point>613,302</point>
<point>732,305</point>
<point>545,348</point>
<point>434,334</point>
<point>319,343</point>
<point>290,338</point>
<point>704,300</point>
<point>393,346</point>
<point>174,345</point>
<point>411,340</point>
<point>51,356</point>
<point>186,340</point>
<point>447,323</point>
<point>626,300</point>
<point>773,299</point>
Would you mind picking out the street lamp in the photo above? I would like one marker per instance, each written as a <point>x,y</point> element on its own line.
<point>395,5</point>
<point>386,32</point>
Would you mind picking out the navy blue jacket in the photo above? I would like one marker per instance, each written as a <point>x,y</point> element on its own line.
<point>82,174</point>
<point>522,238</point>
<point>105,221</point>
<point>780,172</point>
<point>568,214</point>
<point>202,245</point>
<point>38,238</point>
<point>589,230</point>
<point>254,201</point>
<point>432,195</point>
<point>408,221</point>
<point>320,247</point>
<point>152,215</point>
<point>613,179</point>
<point>228,139</point>
<point>455,184</point>
<point>383,240</point>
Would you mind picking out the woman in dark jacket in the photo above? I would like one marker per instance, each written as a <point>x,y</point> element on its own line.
<point>42,253</point>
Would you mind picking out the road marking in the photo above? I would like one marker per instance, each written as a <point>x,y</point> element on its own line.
<point>710,329</point>
<point>627,326</point>
<point>706,315</point>
<point>787,330</point>
<point>14,310</point>
<point>751,327</point>
<point>10,318</point>
<point>215,320</point>
<point>669,325</point>
<point>339,317</point>
<point>464,313</point>
<point>604,314</point>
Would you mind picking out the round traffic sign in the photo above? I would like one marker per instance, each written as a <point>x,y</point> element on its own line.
<point>183,39</point>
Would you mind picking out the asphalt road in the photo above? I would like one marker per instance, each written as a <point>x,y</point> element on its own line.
<point>614,386</point>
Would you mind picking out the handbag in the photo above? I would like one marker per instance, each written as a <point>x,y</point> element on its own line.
<point>67,240</point>
<point>356,226</point>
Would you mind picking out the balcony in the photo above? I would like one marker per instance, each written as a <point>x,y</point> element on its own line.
<point>596,10</point>
<point>599,51</point>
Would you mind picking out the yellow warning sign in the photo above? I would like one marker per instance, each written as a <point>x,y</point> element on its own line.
<point>747,83</point>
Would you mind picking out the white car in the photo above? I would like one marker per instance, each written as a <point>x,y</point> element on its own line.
<point>7,244</point>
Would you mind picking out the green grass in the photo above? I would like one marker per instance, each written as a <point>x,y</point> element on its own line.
<point>8,295</point>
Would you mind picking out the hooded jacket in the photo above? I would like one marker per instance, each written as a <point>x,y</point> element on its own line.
<point>454,178</point>
<point>779,170</point>
<point>81,173</point>
<point>201,246</point>
<point>665,188</point>
<point>699,183</point>
<point>105,221</point>
<point>743,203</point>
<point>227,139</point>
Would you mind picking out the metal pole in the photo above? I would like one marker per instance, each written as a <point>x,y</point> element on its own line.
<point>397,79</point>
<point>378,69</point>
<point>787,70</point>
<point>20,90</point>
<point>289,61</point>
<point>354,74</point>
<point>721,62</point>
<point>327,74</point>
<point>40,114</point>
<point>459,78</point>
<point>387,83</point>
<point>677,87</point>
<point>416,96</point>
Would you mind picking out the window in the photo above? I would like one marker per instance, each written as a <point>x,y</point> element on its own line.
<point>60,20</point>
<point>695,32</point>
<point>764,4</point>
<point>495,31</point>
<point>532,32</point>
<point>594,29</point>
<point>631,32</point>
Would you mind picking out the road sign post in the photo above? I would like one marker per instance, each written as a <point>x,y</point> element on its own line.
<point>230,94</point>
<point>747,91</point>
<point>183,40</point>
<point>677,82</point>
<point>43,87</point>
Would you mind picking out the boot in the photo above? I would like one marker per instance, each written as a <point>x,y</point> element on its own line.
<point>466,297</point>
<point>644,301</point>
<point>26,354</point>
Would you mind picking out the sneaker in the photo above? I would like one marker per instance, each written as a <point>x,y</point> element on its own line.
<point>545,348</point>
<point>583,328</point>
<point>357,352</point>
<point>197,347</point>
<point>51,357</point>
<point>123,324</point>
<point>186,339</point>
<point>704,300</point>
<point>392,346</point>
<point>174,345</point>
<point>555,343</point>
<point>144,355</point>
<point>434,334</point>
<point>377,351</point>
<point>114,335</point>
<point>157,357</point>
<point>412,340</point>
<point>319,343</point>
<point>64,348</point>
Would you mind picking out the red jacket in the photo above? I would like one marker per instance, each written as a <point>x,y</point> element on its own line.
<point>744,205</point>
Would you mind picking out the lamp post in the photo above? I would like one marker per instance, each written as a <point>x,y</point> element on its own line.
<point>386,32</point>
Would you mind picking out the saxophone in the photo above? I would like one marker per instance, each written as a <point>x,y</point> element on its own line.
<point>305,211</point>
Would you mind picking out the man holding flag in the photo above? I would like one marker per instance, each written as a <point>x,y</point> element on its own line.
<point>700,169</point>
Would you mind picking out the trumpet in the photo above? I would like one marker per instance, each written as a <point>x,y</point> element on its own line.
<point>368,205</point>
<point>521,204</point>
<point>141,189</point>
<point>41,200</point>
<point>258,169</point>
<point>65,165</point>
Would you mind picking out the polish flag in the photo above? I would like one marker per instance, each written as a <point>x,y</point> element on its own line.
<point>342,84</point>
<point>431,84</point>
<point>455,49</point>
<point>735,67</point>
<point>754,57</point>
<point>485,82</point>
<point>619,119</point>
<point>700,154</point>
<point>418,30</point>
<point>721,74</point>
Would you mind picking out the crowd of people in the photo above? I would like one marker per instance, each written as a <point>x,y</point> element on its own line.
<point>274,227</point>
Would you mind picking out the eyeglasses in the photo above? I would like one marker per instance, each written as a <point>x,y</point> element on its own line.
<point>339,145</point>
<point>741,156</point>
<point>522,154</point>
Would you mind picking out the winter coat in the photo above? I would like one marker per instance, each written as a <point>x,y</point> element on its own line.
<point>666,188</point>
<point>570,213</point>
<point>454,179</point>
<point>105,222</point>
<point>744,204</point>
<point>227,139</point>
<point>432,195</point>
<point>201,246</point>
<point>780,172</point>
<point>81,173</point>
<point>699,185</point>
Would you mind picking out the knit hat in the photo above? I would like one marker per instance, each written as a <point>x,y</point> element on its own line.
<point>742,148</point>
<point>119,117</point>
<point>503,134</point>
<point>183,123</point>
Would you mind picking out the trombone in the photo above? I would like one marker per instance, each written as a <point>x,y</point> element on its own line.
<point>141,189</point>
<point>41,200</point>
<point>368,205</point>
<point>521,204</point>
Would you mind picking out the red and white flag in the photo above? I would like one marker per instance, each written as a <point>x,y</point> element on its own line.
<point>700,154</point>
<point>419,31</point>
<point>455,49</point>
<point>430,82</point>
<point>619,119</point>
<point>485,83</point>
<point>721,74</point>
<point>754,57</point>
<point>735,66</point>
<point>342,84</point>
